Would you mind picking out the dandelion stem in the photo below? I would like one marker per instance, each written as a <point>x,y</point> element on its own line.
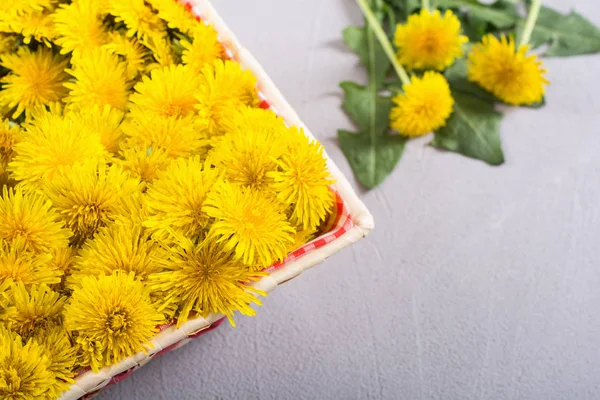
<point>383,40</point>
<point>426,5</point>
<point>534,11</point>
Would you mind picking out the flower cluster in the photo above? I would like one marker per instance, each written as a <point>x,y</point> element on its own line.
<point>430,42</point>
<point>141,184</point>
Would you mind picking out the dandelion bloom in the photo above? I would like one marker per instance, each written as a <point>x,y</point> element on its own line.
<point>50,143</point>
<point>204,48</point>
<point>175,136</point>
<point>31,219</point>
<point>115,248</point>
<point>176,198</point>
<point>224,88</point>
<point>79,26</point>
<point>100,80</point>
<point>425,105</point>
<point>168,92</point>
<point>87,196</point>
<point>34,25</point>
<point>36,78</point>
<point>19,264</point>
<point>204,278</point>
<point>430,40</point>
<point>255,139</point>
<point>140,19</point>
<point>248,224</point>
<point>112,316</point>
<point>501,68</point>
<point>175,14</point>
<point>302,181</point>
<point>32,310</point>
<point>24,368</point>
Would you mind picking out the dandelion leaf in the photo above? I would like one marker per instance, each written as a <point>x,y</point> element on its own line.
<point>373,152</point>
<point>566,35</point>
<point>472,130</point>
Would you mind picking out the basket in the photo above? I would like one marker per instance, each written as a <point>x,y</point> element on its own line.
<point>351,222</point>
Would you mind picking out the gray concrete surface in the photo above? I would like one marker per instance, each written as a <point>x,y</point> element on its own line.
<point>478,282</point>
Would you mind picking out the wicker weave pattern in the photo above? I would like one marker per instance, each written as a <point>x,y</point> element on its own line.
<point>351,222</point>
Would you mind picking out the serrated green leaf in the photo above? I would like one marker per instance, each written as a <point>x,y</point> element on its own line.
<point>374,152</point>
<point>370,113</point>
<point>364,43</point>
<point>566,35</point>
<point>371,159</point>
<point>472,130</point>
<point>502,14</point>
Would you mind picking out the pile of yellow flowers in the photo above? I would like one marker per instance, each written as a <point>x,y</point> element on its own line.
<point>141,184</point>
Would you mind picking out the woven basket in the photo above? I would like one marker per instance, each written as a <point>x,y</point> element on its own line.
<point>350,223</point>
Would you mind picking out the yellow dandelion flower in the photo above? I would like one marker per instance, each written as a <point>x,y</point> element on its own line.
<point>248,224</point>
<point>104,121</point>
<point>204,278</point>
<point>35,25</point>
<point>100,79</point>
<point>302,181</point>
<point>36,78</point>
<point>174,14</point>
<point>79,27</point>
<point>62,355</point>
<point>506,71</point>
<point>19,264</point>
<point>141,20</point>
<point>176,198</point>
<point>87,196</point>
<point>224,88</point>
<point>114,315</point>
<point>204,49</point>
<point>425,105</point>
<point>32,310</point>
<point>248,152</point>
<point>50,143</point>
<point>162,50</point>
<point>9,134</point>
<point>177,137</point>
<point>116,248</point>
<point>168,92</point>
<point>144,162</point>
<point>24,369</point>
<point>429,40</point>
<point>134,52</point>
<point>30,218</point>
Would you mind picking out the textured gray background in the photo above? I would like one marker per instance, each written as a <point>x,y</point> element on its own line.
<point>478,282</point>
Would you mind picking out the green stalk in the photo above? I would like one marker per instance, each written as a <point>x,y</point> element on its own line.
<point>534,12</point>
<point>383,40</point>
<point>425,4</point>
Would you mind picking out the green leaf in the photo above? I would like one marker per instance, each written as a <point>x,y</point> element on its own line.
<point>369,50</point>
<point>567,35</point>
<point>404,8</point>
<point>472,130</point>
<point>502,14</point>
<point>374,152</point>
